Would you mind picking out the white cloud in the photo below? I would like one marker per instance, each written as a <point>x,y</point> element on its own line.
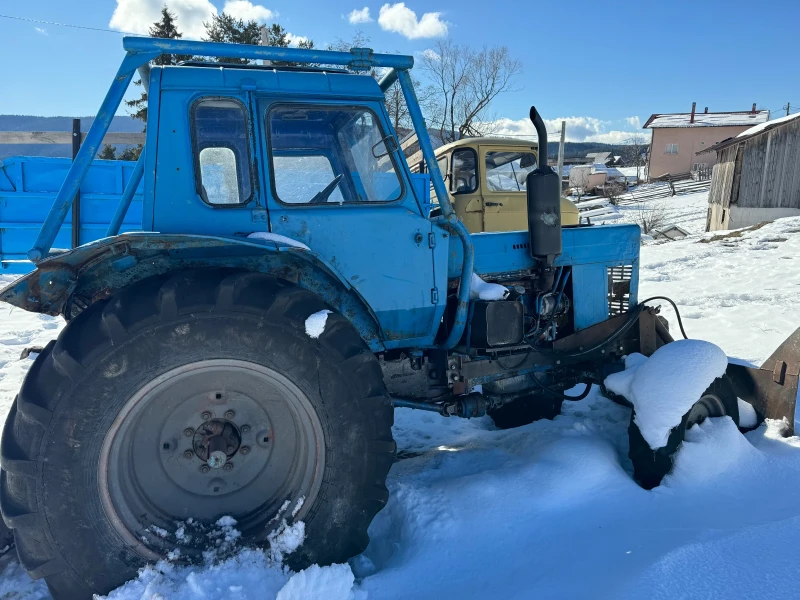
<point>578,129</point>
<point>430,55</point>
<point>400,19</point>
<point>359,16</point>
<point>295,40</point>
<point>138,15</point>
<point>247,11</point>
<point>41,31</point>
<point>633,122</point>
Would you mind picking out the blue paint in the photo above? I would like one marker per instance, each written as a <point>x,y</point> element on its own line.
<point>374,255</point>
<point>127,198</point>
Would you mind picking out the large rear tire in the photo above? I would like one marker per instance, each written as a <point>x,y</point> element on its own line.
<point>138,416</point>
<point>651,466</point>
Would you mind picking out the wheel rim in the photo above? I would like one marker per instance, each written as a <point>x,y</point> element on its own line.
<point>205,440</point>
<point>709,405</point>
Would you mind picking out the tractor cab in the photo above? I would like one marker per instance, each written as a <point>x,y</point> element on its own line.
<point>486,181</point>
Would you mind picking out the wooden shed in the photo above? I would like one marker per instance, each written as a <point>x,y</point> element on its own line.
<point>757,175</point>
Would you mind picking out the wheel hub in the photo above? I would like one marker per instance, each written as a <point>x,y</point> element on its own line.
<point>207,439</point>
<point>216,441</point>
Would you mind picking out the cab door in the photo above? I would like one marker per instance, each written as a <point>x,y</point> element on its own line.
<point>337,183</point>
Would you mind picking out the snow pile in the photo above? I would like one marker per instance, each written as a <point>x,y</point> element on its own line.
<point>480,290</point>
<point>315,324</point>
<point>664,387</point>
<point>331,583</point>
<point>277,238</point>
<point>246,573</point>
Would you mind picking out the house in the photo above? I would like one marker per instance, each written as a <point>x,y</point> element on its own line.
<point>756,176</point>
<point>677,138</point>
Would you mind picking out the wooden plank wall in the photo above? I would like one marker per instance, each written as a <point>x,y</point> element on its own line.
<point>770,170</point>
<point>722,177</point>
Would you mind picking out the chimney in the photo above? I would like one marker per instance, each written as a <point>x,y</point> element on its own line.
<point>691,119</point>
<point>754,108</point>
<point>706,110</point>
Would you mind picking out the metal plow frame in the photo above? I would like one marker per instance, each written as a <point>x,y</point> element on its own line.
<point>771,388</point>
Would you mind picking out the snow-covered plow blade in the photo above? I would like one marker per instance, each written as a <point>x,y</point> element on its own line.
<point>772,388</point>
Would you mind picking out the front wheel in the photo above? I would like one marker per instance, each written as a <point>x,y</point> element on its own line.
<point>182,400</point>
<point>651,466</point>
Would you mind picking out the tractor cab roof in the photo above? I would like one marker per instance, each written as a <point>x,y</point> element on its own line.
<point>298,81</point>
<point>262,67</point>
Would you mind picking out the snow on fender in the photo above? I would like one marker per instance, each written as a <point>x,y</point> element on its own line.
<point>664,387</point>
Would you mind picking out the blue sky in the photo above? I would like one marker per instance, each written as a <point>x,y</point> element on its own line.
<point>599,65</point>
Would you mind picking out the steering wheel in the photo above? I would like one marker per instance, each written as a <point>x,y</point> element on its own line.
<point>322,196</point>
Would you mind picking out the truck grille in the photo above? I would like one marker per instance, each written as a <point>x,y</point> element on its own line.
<point>619,289</point>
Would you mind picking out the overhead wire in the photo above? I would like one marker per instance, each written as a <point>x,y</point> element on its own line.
<point>41,22</point>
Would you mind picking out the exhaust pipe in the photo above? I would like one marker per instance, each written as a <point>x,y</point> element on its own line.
<point>544,203</point>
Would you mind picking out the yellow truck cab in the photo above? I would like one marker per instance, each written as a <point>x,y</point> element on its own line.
<point>486,180</point>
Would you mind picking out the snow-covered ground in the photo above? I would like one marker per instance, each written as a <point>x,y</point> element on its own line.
<point>549,510</point>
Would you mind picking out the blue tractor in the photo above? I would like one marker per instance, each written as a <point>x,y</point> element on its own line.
<point>291,285</point>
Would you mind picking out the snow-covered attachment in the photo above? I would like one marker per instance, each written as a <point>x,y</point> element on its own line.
<point>771,389</point>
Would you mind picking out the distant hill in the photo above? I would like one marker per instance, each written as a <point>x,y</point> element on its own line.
<point>122,124</point>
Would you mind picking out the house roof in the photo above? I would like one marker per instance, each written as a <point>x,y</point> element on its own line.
<point>712,119</point>
<point>598,157</point>
<point>752,132</point>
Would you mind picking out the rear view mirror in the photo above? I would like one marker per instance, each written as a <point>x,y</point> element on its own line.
<point>388,143</point>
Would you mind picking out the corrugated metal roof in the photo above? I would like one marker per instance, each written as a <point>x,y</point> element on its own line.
<point>715,119</point>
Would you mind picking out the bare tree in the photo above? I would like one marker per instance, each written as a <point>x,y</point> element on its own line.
<point>650,216</point>
<point>638,143</point>
<point>395,100</point>
<point>466,81</point>
<point>579,179</point>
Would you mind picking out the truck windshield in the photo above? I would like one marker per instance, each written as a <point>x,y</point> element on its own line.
<point>508,171</point>
<point>330,154</point>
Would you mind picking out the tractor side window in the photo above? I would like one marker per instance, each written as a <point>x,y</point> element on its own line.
<point>221,151</point>
<point>508,171</point>
<point>300,177</point>
<point>331,154</point>
<point>464,172</point>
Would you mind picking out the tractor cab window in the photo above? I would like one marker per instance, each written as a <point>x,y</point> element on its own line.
<point>331,154</point>
<point>464,171</point>
<point>222,164</point>
<point>508,171</point>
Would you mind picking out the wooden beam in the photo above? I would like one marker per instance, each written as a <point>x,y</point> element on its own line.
<point>65,137</point>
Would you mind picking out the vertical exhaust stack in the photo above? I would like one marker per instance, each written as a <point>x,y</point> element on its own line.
<point>544,203</point>
<point>694,105</point>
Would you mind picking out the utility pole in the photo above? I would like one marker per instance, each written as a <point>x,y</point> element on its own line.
<point>561,153</point>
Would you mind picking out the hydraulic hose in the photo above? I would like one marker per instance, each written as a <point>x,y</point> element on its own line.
<point>675,308</point>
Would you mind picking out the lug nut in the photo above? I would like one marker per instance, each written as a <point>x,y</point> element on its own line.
<point>244,450</point>
<point>245,428</point>
<point>188,432</point>
<point>188,454</point>
<point>206,415</point>
<point>229,414</point>
<point>230,449</point>
<point>205,469</point>
<point>228,467</point>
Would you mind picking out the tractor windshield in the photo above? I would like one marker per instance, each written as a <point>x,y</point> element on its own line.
<point>508,171</point>
<point>331,154</point>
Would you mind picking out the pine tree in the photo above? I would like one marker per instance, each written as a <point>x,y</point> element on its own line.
<point>227,29</point>
<point>108,152</point>
<point>130,153</point>
<point>164,28</point>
